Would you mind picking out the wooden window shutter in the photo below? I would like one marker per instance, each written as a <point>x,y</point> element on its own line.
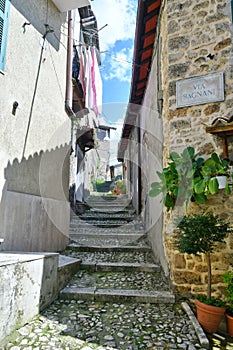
<point>4,16</point>
<point>232,10</point>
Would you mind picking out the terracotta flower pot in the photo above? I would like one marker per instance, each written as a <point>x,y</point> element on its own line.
<point>229,324</point>
<point>209,316</point>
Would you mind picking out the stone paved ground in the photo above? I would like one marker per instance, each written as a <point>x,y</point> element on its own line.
<point>92,325</point>
<point>83,325</point>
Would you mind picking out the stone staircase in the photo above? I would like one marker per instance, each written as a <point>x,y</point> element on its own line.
<point>116,263</point>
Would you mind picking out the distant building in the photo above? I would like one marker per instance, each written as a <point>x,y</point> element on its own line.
<point>86,106</point>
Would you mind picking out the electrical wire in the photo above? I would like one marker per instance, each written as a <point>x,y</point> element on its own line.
<point>48,30</point>
<point>132,63</point>
<point>34,95</point>
<point>58,82</point>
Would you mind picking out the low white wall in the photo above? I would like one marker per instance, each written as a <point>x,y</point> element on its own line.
<point>28,283</point>
<point>31,223</point>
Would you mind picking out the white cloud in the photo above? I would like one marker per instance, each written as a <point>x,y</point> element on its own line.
<point>120,15</point>
<point>120,65</point>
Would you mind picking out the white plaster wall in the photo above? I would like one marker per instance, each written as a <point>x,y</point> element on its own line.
<point>49,131</point>
<point>31,223</point>
<point>24,284</point>
<point>18,82</point>
<point>152,161</point>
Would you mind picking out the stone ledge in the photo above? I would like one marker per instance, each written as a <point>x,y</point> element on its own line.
<point>119,295</point>
<point>105,266</point>
<point>83,248</point>
<point>199,331</point>
<point>77,293</point>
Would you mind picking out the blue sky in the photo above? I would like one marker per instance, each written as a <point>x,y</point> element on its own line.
<point>116,47</point>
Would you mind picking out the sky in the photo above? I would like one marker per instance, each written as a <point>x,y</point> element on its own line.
<point>116,47</point>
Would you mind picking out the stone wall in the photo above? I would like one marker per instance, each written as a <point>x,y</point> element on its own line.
<point>198,42</point>
<point>190,272</point>
<point>28,284</point>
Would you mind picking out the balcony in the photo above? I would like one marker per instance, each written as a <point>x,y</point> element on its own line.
<point>67,5</point>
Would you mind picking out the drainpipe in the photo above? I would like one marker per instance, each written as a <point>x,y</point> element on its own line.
<point>69,85</point>
<point>139,169</point>
<point>69,88</point>
<point>69,92</point>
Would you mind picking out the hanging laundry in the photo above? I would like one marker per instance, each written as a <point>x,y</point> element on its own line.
<point>97,82</point>
<point>82,71</point>
<point>76,72</point>
<point>93,73</point>
<point>89,85</point>
<point>90,79</point>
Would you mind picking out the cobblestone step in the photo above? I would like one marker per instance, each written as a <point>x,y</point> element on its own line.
<point>103,224</point>
<point>101,208</point>
<point>117,209</point>
<point>120,283</point>
<point>107,202</point>
<point>106,266</point>
<point>101,234</point>
<point>89,248</point>
<point>116,295</point>
<point>104,240</point>
<point>86,228</point>
<point>133,257</point>
<point>106,216</point>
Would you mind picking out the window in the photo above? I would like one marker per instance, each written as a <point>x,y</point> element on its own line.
<point>232,10</point>
<point>4,16</point>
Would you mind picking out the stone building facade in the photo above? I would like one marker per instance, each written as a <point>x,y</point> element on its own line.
<point>191,40</point>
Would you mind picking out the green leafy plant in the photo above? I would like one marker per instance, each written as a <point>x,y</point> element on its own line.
<point>177,179</point>
<point>189,177</point>
<point>199,233</point>
<point>213,301</point>
<point>207,183</point>
<point>228,279</point>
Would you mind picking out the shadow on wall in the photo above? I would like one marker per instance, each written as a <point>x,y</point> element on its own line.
<point>39,13</point>
<point>34,210</point>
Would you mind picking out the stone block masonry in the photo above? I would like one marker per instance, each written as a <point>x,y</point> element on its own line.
<point>196,40</point>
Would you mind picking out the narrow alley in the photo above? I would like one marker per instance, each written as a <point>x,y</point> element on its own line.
<point>119,298</point>
<point>116,134</point>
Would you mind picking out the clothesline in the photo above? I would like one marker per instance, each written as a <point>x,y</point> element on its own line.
<point>83,44</point>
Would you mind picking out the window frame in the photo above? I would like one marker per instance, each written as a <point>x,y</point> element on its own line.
<point>231,10</point>
<point>5,17</point>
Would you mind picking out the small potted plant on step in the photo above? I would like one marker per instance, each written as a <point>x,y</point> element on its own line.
<point>228,279</point>
<point>199,233</point>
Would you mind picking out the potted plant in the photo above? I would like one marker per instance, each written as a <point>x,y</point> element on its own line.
<point>215,175</point>
<point>199,233</point>
<point>176,180</point>
<point>228,279</point>
<point>190,177</point>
